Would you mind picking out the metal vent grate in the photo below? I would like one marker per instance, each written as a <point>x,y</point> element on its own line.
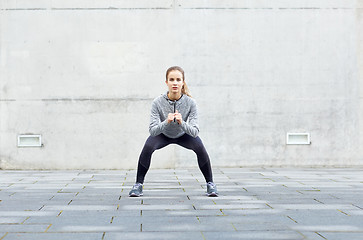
<point>298,138</point>
<point>29,140</point>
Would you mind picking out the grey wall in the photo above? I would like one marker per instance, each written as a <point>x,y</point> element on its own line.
<point>84,73</point>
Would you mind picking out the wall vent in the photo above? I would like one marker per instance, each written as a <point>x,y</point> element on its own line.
<point>29,140</point>
<point>298,138</point>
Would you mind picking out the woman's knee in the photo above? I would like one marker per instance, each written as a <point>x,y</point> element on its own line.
<point>198,146</point>
<point>148,148</point>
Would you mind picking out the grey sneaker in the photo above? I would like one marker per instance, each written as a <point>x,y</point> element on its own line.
<point>136,190</point>
<point>212,190</point>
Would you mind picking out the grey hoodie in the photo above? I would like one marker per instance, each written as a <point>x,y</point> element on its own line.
<point>160,109</point>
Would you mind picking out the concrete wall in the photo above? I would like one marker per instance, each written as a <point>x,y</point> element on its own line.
<point>83,75</point>
<point>359,28</point>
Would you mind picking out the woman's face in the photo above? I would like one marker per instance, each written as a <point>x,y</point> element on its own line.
<point>175,82</point>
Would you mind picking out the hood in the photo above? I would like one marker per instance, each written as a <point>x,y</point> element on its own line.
<point>165,95</point>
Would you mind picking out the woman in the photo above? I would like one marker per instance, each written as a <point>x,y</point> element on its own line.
<point>174,120</point>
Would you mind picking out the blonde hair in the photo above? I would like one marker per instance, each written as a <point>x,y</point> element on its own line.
<point>185,89</point>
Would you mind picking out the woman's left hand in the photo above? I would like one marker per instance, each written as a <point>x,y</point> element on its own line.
<point>178,117</point>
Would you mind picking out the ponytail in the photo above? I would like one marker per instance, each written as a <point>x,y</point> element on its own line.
<point>185,90</point>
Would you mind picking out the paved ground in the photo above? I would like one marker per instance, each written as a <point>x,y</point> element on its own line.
<point>257,203</point>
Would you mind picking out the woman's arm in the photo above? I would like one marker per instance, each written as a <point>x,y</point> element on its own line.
<point>191,127</point>
<point>156,127</point>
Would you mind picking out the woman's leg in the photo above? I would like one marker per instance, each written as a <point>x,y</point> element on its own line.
<point>151,144</point>
<point>197,146</point>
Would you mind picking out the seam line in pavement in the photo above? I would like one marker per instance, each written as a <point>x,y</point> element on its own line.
<point>321,235</point>
<point>48,228</point>
<point>3,236</point>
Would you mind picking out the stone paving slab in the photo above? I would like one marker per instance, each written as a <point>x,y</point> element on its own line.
<point>339,236</point>
<point>183,235</point>
<point>53,236</point>
<point>254,203</point>
<point>273,234</point>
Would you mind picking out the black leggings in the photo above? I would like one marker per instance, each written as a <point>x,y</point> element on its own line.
<point>160,141</point>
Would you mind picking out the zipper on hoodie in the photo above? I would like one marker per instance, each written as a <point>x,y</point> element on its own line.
<point>174,108</point>
<point>174,102</point>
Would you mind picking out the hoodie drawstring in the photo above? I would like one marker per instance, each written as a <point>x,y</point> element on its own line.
<point>174,108</point>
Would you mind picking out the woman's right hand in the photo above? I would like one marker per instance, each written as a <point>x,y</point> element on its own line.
<point>171,117</point>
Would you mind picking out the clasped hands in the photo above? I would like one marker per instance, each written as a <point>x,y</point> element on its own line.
<point>177,116</point>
